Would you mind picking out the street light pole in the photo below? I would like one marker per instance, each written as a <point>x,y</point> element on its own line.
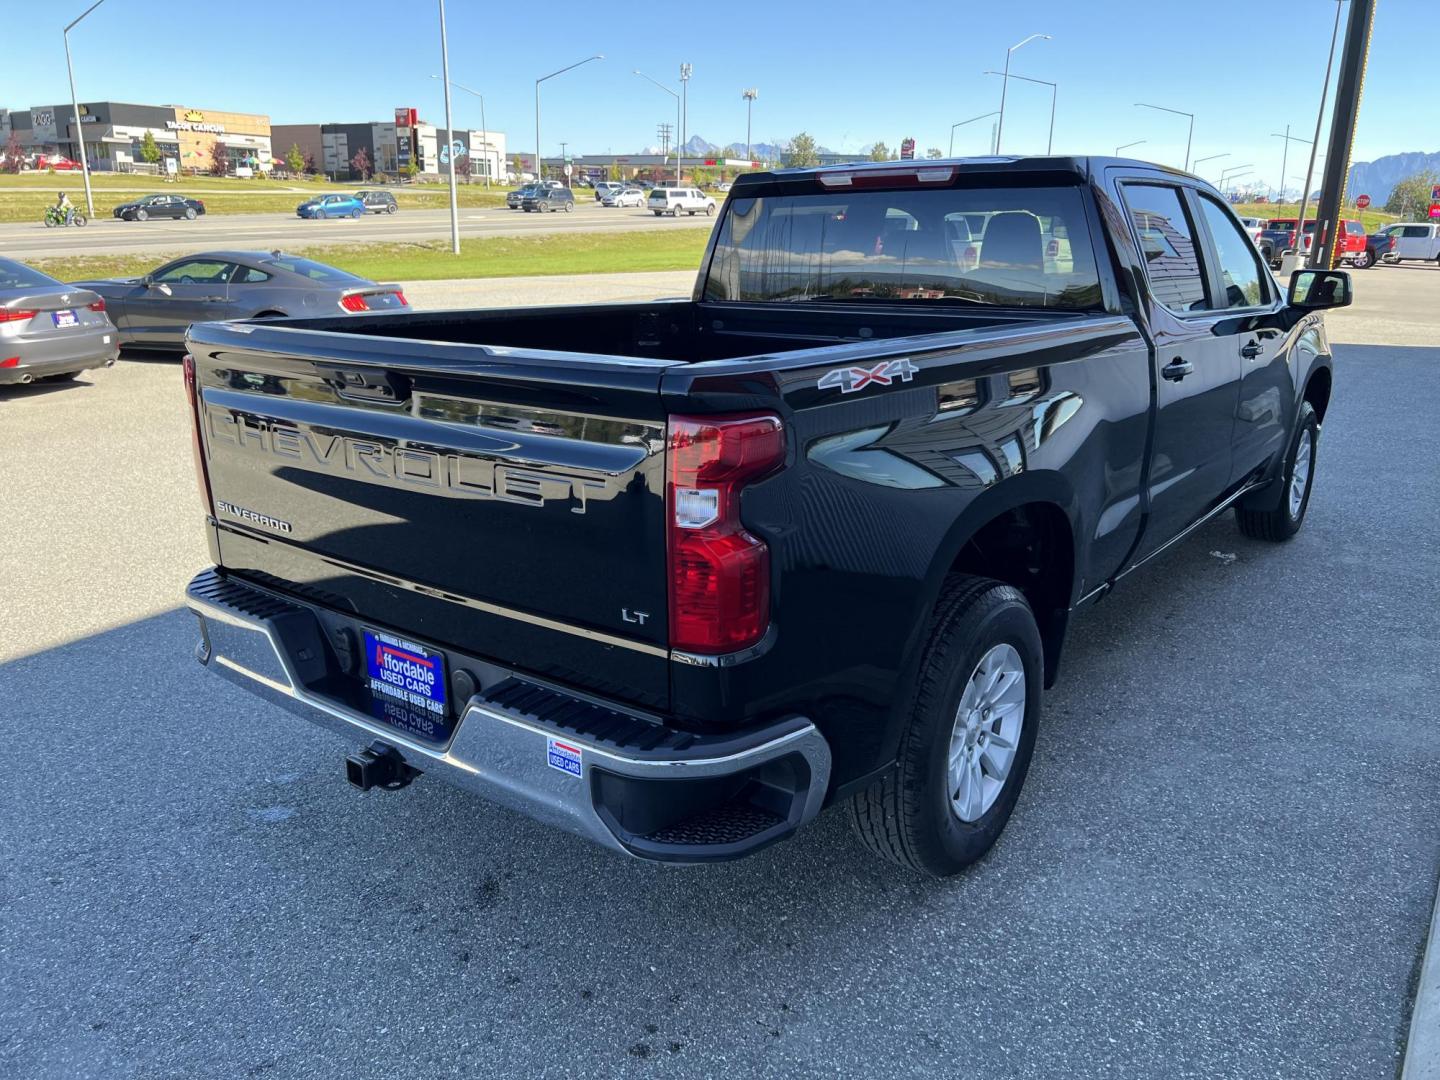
<point>484,131</point>
<point>676,96</point>
<point>1212,157</point>
<point>449,136</point>
<point>75,104</point>
<point>962,123</point>
<point>1050,143</point>
<point>1004,85</point>
<point>1233,173</point>
<point>539,170</point>
<point>749,95</point>
<point>685,70</point>
<point>1315,146</point>
<point>1178,112</point>
<point>1126,146</point>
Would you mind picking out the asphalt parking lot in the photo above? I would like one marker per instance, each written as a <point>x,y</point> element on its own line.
<point>108,236</point>
<point>1222,865</point>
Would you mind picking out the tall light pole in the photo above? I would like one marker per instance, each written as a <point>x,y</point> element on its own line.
<point>1212,157</point>
<point>676,96</point>
<point>449,136</point>
<point>1285,157</point>
<point>484,133</point>
<point>1314,146</point>
<point>685,70</point>
<point>1177,112</point>
<point>1005,85</point>
<point>75,104</point>
<point>539,170</point>
<point>1050,143</point>
<point>1126,146</point>
<point>962,123</point>
<point>1233,174</point>
<point>749,95</point>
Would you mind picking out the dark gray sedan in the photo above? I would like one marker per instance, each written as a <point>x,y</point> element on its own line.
<point>50,330</point>
<point>221,286</point>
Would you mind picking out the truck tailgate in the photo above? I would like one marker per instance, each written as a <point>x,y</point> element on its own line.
<point>508,503</point>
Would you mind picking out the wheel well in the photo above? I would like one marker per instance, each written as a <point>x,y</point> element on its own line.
<point>269,315</point>
<point>1032,548</point>
<point>1317,392</point>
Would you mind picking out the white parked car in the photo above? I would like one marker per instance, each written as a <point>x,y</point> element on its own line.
<point>1254,226</point>
<point>606,187</point>
<point>677,201</point>
<point>724,185</point>
<point>624,197</point>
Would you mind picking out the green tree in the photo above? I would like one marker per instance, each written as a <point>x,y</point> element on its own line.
<point>412,168</point>
<point>879,152</point>
<point>13,156</point>
<point>801,152</point>
<point>295,160</point>
<point>1411,196</point>
<point>149,148</point>
<point>934,152</point>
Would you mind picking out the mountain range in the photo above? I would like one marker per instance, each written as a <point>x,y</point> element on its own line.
<point>696,146</point>
<point>1376,178</point>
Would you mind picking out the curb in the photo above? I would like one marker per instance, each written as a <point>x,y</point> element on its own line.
<point>1422,1053</point>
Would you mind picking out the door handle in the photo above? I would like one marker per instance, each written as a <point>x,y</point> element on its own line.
<point>1251,349</point>
<point>1177,369</point>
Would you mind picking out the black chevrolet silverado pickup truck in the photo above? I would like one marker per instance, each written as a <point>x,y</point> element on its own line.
<point>678,575</point>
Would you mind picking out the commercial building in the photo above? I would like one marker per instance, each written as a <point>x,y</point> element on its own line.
<point>112,133</point>
<point>390,146</point>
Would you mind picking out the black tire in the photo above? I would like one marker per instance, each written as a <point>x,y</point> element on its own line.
<point>189,213</point>
<point>1363,260</point>
<point>390,208</point>
<point>1278,518</point>
<point>142,214</point>
<point>906,816</point>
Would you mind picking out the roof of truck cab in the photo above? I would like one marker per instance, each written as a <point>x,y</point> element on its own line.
<point>1083,166</point>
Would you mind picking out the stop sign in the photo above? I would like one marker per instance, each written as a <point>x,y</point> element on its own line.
<point>1363,201</point>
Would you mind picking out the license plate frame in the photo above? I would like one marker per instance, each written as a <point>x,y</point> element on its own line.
<point>65,318</point>
<point>407,684</point>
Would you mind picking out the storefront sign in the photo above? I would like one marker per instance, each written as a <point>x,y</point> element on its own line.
<point>190,125</point>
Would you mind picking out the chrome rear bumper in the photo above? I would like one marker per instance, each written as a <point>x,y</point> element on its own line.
<point>624,781</point>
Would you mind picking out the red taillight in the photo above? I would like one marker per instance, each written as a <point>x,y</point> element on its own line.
<point>400,295</point>
<point>192,391</point>
<point>719,572</point>
<point>16,316</point>
<point>98,305</point>
<point>10,361</point>
<point>354,302</point>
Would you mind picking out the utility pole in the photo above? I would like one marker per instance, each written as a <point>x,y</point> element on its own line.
<point>75,104</point>
<point>672,93</point>
<point>449,136</point>
<point>1348,89</point>
<point>1005,85</point>
<point>749,95</point>
<point>685,70</point>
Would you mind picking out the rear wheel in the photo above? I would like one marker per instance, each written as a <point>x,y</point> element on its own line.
<point>1363,260</point>
<point>1281,520</point>
<point>968,737</point>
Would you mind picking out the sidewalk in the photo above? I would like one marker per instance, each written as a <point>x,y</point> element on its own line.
<point>553,289</point>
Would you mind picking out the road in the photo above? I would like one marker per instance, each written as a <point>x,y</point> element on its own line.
<point>1222,864</point>
<point>108,236</point>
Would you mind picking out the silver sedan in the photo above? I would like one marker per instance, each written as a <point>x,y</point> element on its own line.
<point>154,311</point>
<point>50,330</point>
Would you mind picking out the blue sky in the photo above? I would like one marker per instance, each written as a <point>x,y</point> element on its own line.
<point>848,72</point>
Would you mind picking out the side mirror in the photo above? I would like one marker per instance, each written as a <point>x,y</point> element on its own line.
<point>146,281</point>
<point>1311,290</point>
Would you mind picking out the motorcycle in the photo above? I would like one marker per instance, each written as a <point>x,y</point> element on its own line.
<point>54,217</point>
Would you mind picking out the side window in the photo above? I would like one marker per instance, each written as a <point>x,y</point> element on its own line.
<point>248,275</point>
<point>1239,263</point>
<point>196,272</point>
<point>1167,243</point>
<point>1417,231</point>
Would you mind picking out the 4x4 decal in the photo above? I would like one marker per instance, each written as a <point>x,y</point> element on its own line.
<point>851,379</point>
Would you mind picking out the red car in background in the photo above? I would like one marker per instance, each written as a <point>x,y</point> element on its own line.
<point>57,162</point>
<point>1279,237</point>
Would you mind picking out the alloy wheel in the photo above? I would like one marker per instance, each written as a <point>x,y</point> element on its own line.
<point>986,732</point>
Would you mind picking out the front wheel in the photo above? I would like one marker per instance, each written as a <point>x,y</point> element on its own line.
<point>189,213</point>
<point>1280,520</point>
<point>968,737</point>
<point>390,208</point>
<point>81,220</point>
<point>1363,260</point>
<point>142,215</point>
<point>355,214</point>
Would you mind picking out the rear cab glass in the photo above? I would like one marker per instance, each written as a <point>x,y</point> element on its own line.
<point>1003,246</point>
<point>313,270</point>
